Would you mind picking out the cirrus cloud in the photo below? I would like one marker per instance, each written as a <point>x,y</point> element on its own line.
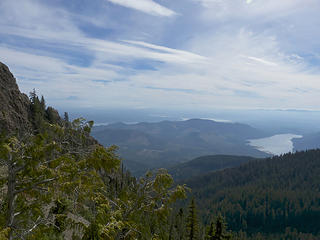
<point>146,6</point>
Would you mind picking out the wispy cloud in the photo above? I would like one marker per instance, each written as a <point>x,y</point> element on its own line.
<point>262,61</point>
<point>248,9</point>
<point>245,57</point>
<point>146,6</point>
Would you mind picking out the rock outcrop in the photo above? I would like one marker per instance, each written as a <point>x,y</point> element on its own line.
<point>19,114</point>
<point>14,105</point>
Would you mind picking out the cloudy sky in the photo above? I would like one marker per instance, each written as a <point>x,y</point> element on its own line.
<point>186,54</point>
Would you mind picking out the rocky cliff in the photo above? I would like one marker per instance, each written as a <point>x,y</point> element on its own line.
<point>19,114</point>
<point>14,105</point>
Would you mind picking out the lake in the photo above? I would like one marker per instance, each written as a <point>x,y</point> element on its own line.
<point>276,145</point>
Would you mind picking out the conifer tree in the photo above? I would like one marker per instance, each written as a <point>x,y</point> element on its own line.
<point>41,169</point>
<point>192,222</point>
<point>66,117</point>
<point>179,225</point>
<point>42,103</point>
<point>218,230</point>
<point>37,111</point>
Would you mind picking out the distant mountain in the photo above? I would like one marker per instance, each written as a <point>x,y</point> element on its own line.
<point>310,141</point>
<point>275,196</point>
<point>206,164</point>
<point>166,143</point>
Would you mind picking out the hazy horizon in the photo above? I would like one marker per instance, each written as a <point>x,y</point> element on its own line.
<point>295,122</point>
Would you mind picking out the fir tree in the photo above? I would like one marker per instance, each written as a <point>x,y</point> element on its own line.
<point>66,117</point>
<point>38,113</point>
<point>192,222</point>
<point>218,230</point>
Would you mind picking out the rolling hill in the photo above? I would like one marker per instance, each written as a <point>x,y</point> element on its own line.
<point>205,164</point>
<point>166,143</point>
<point>309,141</point>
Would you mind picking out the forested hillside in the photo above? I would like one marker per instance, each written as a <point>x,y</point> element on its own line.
<point>163,144</point>
<point>276,197</point>
<point>309,141</point>
<point>206,164</point>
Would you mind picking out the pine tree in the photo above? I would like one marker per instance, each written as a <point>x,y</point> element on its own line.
<point>37,111</point>
<point>179,225</point>
<point>44,168</point>
<point>42,103</point>
<point>192,222</point>
<point>211,232</point>
<point>52,115</point>
<point>66,117</point>
<point>28,176</point>
<point>218,230</point>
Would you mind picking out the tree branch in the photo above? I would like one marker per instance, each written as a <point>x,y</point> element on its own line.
<point>34,185</point>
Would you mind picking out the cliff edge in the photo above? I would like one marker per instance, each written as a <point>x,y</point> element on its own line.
<point>14,105</point>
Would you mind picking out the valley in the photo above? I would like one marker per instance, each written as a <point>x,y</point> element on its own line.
<point>162,144</point>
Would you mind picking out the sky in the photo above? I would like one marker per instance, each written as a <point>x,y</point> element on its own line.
<point>169,54</point>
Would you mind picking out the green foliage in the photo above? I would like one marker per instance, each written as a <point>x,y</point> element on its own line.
<point>60,181</point>
<point>266,196</point>
<point>38,169</point>
<point>206,164</point>
<point>140,211</point>
<point>218,230</point>
<point>4,233</point>
<point>178,225</point>
<point>192,222</point>
<point>38,111</point>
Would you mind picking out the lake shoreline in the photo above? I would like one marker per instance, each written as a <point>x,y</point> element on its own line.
<point>276,145</point>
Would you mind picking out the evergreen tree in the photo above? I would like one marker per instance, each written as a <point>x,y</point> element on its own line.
<point>62,180</point>
<point>66,117</point>
<point>192,222</point>
<point>211,232</point>
<point>38,113</point>
<point>42,103</point>
<point>52,115</point>
<point>40,169</point>
<point>218,230</point>
<point>179,225</point>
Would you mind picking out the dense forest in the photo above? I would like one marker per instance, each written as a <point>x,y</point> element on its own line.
<point>206,164</point>
<point>278,198</point>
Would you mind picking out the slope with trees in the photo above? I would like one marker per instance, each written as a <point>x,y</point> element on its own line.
<point>206,164</point>
<point>279,195</point>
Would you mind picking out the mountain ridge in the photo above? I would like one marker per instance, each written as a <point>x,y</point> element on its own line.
<point>205,165</point>
<point>165,143</point>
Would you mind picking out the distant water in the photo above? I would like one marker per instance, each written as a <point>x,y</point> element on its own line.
<point>276,145</point>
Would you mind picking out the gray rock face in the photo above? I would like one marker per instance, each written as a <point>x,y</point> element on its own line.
<point>14,105</point>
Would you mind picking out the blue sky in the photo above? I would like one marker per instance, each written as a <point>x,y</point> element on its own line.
<point>183,54</point>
